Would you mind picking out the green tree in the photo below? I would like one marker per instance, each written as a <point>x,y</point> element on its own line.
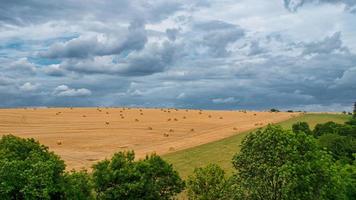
<point>274,110</point>
<point>28,170</point>
<point>278,164</point>
<point>348,172</point>
<point>341,147</point>
<point>77,186</point>
<point>301,126</point>
<point>124,178</point>
<point>352,122</point>
<point>210,183</point>
<point>334,128</point>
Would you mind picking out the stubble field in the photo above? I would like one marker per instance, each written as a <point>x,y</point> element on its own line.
<point>83,136</point>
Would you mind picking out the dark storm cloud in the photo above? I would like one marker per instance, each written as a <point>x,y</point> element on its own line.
<point>153,59</point>
<point>247,54</point>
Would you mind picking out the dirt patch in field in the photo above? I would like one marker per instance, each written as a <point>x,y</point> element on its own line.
<point>83,136</point>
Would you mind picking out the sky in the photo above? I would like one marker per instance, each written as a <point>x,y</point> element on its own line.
<point>206,54</point>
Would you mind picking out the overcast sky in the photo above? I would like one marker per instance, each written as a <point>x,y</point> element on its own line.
<point>209,54</point>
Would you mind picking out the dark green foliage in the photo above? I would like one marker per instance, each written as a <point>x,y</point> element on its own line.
<point>352,122</point>
<point>290,111</point>
<point>326,128</point>
<point>354,113</point>
<point>274,110</point>
<point>279,164</point>
<point>341,147</point>
<point>334,128</point>
<point>123,178</point>
<point>28,170</point>
<point>210,183</point>
<point>77,186</point>
<point>339,139</point>
<point>301,127</point>
<point>349,179</point>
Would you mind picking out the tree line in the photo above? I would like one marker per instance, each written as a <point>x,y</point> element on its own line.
<point>273,163</point>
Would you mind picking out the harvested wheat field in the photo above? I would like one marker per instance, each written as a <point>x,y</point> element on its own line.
<point>83,136</point>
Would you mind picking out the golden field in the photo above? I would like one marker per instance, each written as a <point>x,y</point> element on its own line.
<point>83,136</point>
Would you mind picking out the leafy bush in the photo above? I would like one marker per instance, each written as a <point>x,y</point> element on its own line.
<point>28,170</point>
<point>123,178</point>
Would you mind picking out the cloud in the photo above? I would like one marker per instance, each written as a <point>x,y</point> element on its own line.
<point>172,33</point>
<point>65,91</point>
<point>54,70</point>
<point>21,65</point>
<point>228,100</point>
<point>247,54</point>
<point>4,81</point>
<point>33,11</point>
<point>29,87</point>
<point>181,96</point>
<point>326,46</point>
<point>335,107</point>
<point>153,59</point>
<point>255,48</point>
<point>348,78</point>
<point>216,35</point>
<point>294,5</point>
<point>134,39</point>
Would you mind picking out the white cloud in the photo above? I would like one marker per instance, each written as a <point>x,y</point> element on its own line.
<point>22,65</point>
<point>29,87</point>
<point>181,95</point>
<point>65,91</point>
<point>228,100</point>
